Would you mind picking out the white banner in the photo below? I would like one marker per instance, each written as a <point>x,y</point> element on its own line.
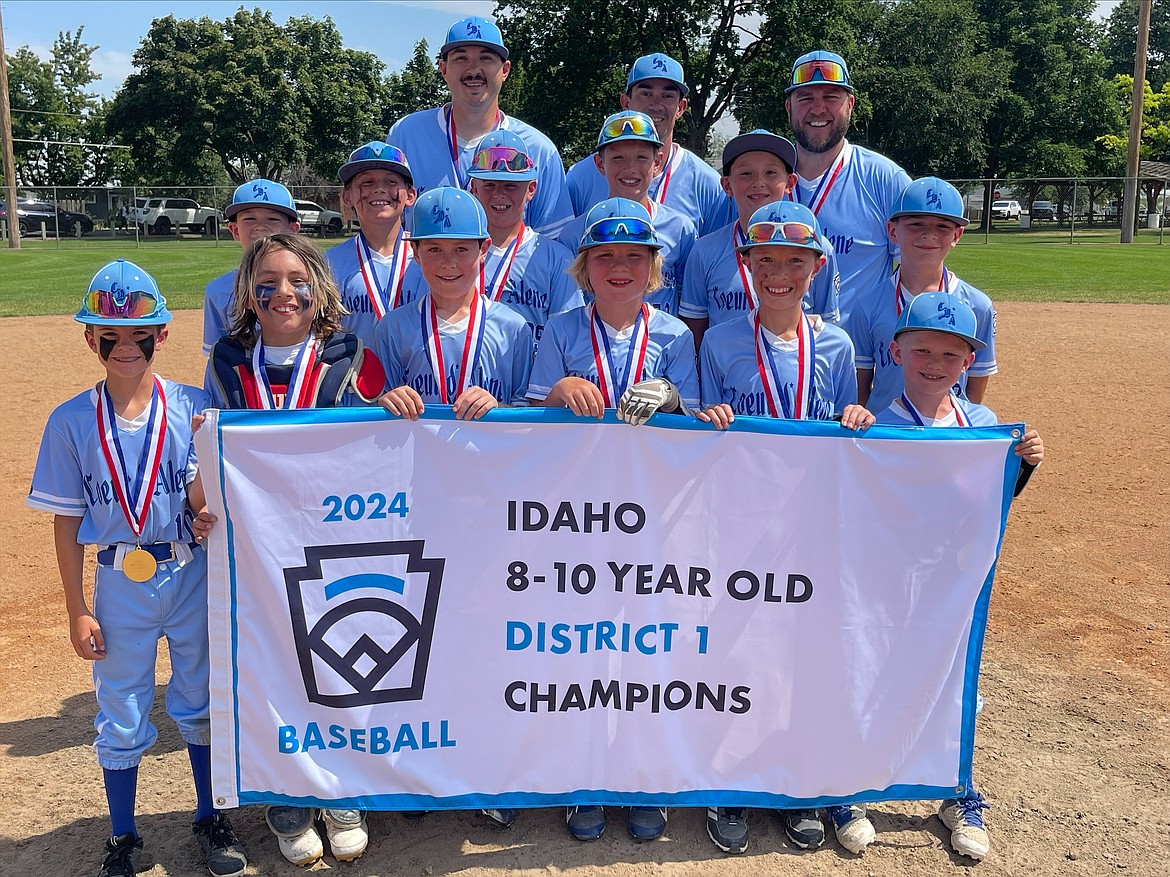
<point>533,610</point>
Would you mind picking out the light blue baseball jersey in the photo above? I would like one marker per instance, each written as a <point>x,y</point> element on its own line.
<point>505,358</point>
<point>536,287</point>
<point>872,331</point>
<point>713,286</point>
<point>343,262</point>
<point>693,189</point>
<point>217,308</point>
<point>676,232</point>
<point>423,137</point>
<point>977,415</point>
<point>72,477</point>
<point>567,351</point>
<point>730,373</point>
<point>853,217</point>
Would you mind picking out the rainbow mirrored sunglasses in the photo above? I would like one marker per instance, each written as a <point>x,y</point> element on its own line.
<point>782,233</point>
<point>637,126</point>
<point>621,230</point>
<point>502,158</point>
<point>264,293</point>
<point>821,70</point>
<point>132,305</point>
<point>384,152</point>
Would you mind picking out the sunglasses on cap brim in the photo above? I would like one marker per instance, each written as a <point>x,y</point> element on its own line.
<point>620,230</point>
<point>629,126</point>
<point>502,158</point>
<point>388,153</point>
<point>781,233</point>
<point>829,72</point>
<point>132,306</point>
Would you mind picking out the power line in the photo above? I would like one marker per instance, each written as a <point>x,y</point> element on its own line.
<point>54,113</point>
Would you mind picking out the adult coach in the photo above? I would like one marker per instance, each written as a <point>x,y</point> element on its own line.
<point>851,189</point>
<point>441,142</point>
<point>656,87</point>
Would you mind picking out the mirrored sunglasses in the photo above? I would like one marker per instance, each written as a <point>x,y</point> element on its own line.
<point>131,305</point>
<point>385,152</point>
<point>781,232</point>
<point>831,72</point>
<point>502,158</point>
<point>264,294</point>
<point>636,126</point>
<point>620,230</point>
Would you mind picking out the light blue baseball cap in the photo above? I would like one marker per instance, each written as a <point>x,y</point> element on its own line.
<point>502,155</point>
<point>618,221</point>
<point>930,196</point>
<point>820,68</point>
<point>784,224</point>
<point>447,213</point>
<point>657,66</point>
<point>262,193</point>
<point>628,125</point>
<point>122,294</point>
<point>939,312</point>
<point>375,155</point>
<point>474,31</point>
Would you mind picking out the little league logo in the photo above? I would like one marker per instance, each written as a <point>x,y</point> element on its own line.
<point>473,31</point>
<point>441,215</point>
<point>934,199</point>
<point>259,193</point>
<point>659,64</point>
<point>350,642</point>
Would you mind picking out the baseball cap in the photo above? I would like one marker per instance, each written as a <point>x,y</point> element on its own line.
<point>657,66</point>
<point>784,224</point>
<point>375,155</point>
<point>930,196</point>
<point>939,312</point>
<point>628,125</point>
<point>820,68</point>
<point>262,193</point>
<point>474,31</point>
<point>618,221</point>
<point>502,155</point>
<point>759,140</point>
<point>447,213</point>
<point>122,294</point>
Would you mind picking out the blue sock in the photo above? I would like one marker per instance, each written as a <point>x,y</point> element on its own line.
<point>121,788</point>
<point>201,771</point>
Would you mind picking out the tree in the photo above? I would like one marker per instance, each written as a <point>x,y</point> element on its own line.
<point>1120,41</point>
<point>417,87</point>
<point>1155,145</point>
<point>246,94</point>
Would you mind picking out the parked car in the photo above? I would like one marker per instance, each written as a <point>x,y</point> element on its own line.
<point>1006,210</point>
<point>1042,210</point>
<point>164,215</point>
<point>315,217</point>
<point>32,214</point>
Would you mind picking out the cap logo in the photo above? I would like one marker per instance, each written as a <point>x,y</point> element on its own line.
<point>441,215</point>
<point>934,199</point>
<point>117,291</point>
<point>946,313</point>
<point>259,192</point>
<point>658,64</point>
<point>473,31</point>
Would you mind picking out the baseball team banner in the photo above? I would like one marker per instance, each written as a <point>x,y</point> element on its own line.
<point>534,610</point>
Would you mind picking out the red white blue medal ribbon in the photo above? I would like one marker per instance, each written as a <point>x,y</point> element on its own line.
<point>675,158</point>
<point>902,297</point>
<point>824,186</point>
<point>806,365</point>
<point>298,382</point>
<point>383,299</point>
<point>462,180</point>
<point>495,289</point>
<point>739,239</point>
<point>603,355</point>
<point>472,345</point>
<point>961,418</point>
<point>134,498</point>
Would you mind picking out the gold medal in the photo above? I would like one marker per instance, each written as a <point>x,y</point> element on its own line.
<point>139,565</point>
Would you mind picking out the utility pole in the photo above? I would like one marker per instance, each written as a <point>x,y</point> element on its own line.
<point>1133,158</point>
<point>9,158</point>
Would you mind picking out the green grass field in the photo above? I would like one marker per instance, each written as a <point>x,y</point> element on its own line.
<point>47,277</point>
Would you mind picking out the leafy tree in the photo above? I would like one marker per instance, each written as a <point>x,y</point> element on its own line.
<point>252,95</point>
<point>1155,145</point>
<point>417,87</point>
<point>1120,41</point>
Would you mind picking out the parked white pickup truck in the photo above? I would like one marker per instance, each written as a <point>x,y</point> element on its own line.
<point>165,215</point>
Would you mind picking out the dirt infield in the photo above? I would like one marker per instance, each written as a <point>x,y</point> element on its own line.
<point>1073,746</point>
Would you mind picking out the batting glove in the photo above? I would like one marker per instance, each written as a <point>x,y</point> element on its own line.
<point>644,398</point>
